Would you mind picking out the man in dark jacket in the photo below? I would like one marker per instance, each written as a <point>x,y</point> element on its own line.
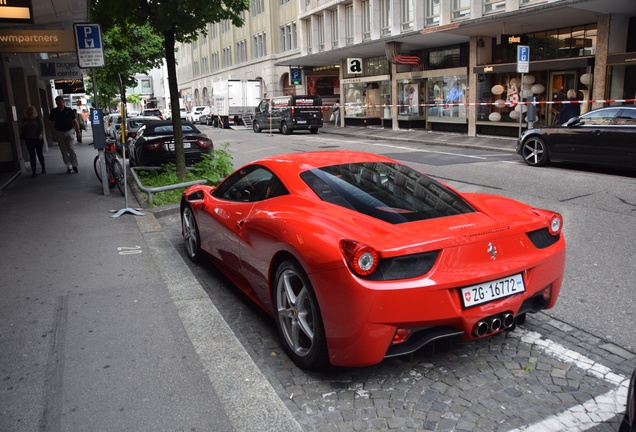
<point>64,127</point>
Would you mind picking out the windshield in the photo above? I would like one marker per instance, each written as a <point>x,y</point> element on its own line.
<point>391,192</point>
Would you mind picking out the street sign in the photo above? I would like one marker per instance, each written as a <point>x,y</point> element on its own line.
<point>523,58</point>
<point>88,39</point>
<point>296,76</point>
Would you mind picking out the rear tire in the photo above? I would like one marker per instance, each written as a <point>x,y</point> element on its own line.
<point>535,152</point>
<point>285,129</point>
<point>313,130</point>
<point>118,175</point>
<point>298,317</point>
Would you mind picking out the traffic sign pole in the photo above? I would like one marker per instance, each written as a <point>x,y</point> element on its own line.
<point>523,67</point>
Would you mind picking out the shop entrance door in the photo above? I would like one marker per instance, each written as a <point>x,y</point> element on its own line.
<point>560,83</point>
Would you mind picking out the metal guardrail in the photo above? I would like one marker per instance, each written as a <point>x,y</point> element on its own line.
<point>151,190</point>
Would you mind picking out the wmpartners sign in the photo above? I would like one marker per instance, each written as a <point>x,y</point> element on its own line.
<point>38,41</point>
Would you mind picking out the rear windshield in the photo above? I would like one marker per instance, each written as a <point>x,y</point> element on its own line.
<point>168,129</point>
<point>391,192</point>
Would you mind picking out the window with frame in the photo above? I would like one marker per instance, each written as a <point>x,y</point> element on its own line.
<point>377,65</point>
<point>366,20</point>
<point>494,6</point>
<point>195,68</point>
<point>241,51</point>
<point>214,63</point>
<point>226,26</point>
<point>461,9</point>
<point>259,45</point>
<point>349,24</point>
<point>204,65</point>
<point>227,57</point>
<point>407,15</point>
<point>385,17</point>
<point>146,86</point>
<point>258,7</point>
<point>431,11</point>
<point>308,35</point>
<point>213,31</point>
<point>320,21</point>
<point>335,34</point>
<point>283,2</point>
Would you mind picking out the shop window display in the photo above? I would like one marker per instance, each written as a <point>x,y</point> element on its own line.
<point>364,99</point>
<point>505,91</point>
<point>448,93</point>
<point>410,100</point>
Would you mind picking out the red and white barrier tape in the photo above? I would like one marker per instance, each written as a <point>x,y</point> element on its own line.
<point>496,104</point>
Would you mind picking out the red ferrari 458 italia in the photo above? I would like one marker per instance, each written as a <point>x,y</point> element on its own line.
<point>359,257</point>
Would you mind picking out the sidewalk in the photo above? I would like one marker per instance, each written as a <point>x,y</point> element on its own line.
<point>104,327</point>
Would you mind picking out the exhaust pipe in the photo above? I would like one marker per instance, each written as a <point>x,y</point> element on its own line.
<point>480,329</point>
<point>508,320</point>
<point>495,324</point>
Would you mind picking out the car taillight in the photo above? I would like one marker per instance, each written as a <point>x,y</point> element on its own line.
<point>360,258</point>
<point>204,142</point>
<point>154,145</point>
<point>556,224</point>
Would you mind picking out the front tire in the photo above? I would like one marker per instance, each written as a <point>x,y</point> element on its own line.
<point>256,127</point>
<point>298,317</point>
<point>191,235</point>
<point>535,152</point>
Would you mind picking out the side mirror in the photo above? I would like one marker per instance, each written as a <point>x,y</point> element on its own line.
<point>573,121</point>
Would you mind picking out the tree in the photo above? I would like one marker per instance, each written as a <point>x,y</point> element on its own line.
<point>175,21</point>
<point>128,50</point>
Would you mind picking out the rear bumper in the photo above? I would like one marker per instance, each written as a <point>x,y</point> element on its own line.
<point>362,317</point>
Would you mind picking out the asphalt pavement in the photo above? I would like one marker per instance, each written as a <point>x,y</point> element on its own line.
<point>105,327</point>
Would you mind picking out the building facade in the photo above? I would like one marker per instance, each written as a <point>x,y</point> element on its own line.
<point>445,65</point>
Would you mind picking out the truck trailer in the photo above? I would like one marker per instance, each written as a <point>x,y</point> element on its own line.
<point>234,102</point>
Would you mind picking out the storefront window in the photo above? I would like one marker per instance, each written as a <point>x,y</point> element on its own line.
<point>365,99</point>
<point>410,97</point>
<point>448,93</point>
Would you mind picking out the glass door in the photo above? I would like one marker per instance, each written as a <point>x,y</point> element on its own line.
<point>559,84</point>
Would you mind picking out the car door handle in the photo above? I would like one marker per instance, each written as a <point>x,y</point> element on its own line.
<point>598,132</point>
<point>240,224</point>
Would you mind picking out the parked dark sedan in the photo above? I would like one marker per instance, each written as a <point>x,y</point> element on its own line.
<point>603,137</point>
<point>154,144</point>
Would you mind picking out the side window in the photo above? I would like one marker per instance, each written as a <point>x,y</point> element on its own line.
<point>251,184</point>
<point>626,117</point>
<point>599,118</point>
<point>263,105</point>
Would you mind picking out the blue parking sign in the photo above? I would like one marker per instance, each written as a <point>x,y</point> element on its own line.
<point>88,40</point>
<point>523,58</point>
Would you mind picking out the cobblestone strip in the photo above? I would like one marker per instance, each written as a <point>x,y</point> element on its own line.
<point>590,413</point>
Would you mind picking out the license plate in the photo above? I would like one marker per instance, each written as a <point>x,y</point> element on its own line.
<point>186,145</point>
<point>493,290</point>
<point>302,122</point>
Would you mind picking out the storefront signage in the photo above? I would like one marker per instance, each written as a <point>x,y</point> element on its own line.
<point>354,66</point>
<point>37,41</point>
<point>60,70</point>
<point>374,78</point>
<point>488,69</point>
<point>507,39</point>
<point>70,86</point>
<point>16,11</point>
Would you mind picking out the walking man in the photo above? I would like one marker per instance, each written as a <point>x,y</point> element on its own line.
<point>63,124</point>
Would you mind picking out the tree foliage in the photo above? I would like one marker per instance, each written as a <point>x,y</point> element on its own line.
<point>174,21</point>
<point>128,50</point>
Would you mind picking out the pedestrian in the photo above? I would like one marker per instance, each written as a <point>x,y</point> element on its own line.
<point>569,110</point>
<point>80,121</point>
<point>336,112</point>
<point>63,123</point>
<point>32,134</point>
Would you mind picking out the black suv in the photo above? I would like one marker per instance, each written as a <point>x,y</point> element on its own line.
<point>289,113</point>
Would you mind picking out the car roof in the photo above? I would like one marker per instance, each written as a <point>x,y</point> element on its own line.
<point>304,161</point>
